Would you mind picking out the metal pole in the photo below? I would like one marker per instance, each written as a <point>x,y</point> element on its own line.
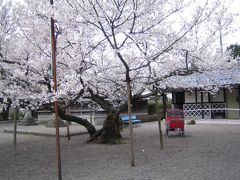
<point>130,123</point>
<point>54,71</point>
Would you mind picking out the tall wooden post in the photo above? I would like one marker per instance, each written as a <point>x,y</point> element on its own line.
<point>130,122</point>
<point>202,111</point>
<point>91,113</point>
<point>160,133</point>
<point>239,100</point>
<point>68,124</point>
<point>15,128</point>
<point>164,98</point>
<point>159,124</point>
<point>54,72</point>
<point>68,131</point>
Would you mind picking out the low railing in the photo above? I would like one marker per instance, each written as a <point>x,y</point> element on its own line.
<point>204,111</point>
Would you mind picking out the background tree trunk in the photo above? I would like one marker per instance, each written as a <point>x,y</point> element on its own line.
<point>5,112</point>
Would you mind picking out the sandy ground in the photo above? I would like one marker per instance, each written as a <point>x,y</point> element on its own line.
<point>206,152</point>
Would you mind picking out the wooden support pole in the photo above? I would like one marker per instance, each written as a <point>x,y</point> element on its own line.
<point>68,131</point>
<point>54,72</point>
<point>91,113</point>
<point>160,133</point>
<point>202,111</point>
<point>158,113</point>
<point>164,98</point>
<point>130,124</point>
<point>15,129</point>
<point>239,100</point>
<point>68,123</point>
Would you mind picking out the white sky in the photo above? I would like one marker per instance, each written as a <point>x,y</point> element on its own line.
<point>232,36</point>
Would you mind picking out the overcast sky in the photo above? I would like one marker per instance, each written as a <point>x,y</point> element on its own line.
<point>233,37</point>
<point>230,37</point>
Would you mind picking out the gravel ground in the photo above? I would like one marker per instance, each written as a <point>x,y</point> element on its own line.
<point>207,151</point>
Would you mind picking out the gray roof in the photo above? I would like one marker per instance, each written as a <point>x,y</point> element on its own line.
<point>206,80</point>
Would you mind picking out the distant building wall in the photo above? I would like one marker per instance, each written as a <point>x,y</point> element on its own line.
<point>223,104</point>
<point>233,104</point>
<point>219,97</point>
<point>97,117</point>
<point>205,96</point>
<point>189,97</point>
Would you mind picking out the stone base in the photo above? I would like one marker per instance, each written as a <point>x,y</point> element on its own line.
<point>51,123</point>
<point>28,123</point>
<point>45,116</point>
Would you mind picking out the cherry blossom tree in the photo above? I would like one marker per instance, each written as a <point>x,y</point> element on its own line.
<point>27,66</point>
<point>147,42</point>
<point>7,29</point>
<point>102,45</point>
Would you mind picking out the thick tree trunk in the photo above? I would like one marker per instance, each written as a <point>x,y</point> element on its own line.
<point>111,126</point>
<point>110,131</point>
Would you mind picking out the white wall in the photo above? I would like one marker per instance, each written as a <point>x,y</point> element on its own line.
<point>189,97</point>
<point>219,97</point>
<point>232,103</point>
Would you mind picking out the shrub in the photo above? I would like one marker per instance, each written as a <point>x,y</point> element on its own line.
<point>191,122</point>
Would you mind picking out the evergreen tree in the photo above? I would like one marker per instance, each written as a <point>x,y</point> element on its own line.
<point>234,50</point>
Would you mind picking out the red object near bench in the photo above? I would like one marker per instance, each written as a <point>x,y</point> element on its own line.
<point>174,121</point>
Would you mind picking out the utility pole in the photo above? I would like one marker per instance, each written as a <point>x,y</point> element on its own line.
<point>54,73</point>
